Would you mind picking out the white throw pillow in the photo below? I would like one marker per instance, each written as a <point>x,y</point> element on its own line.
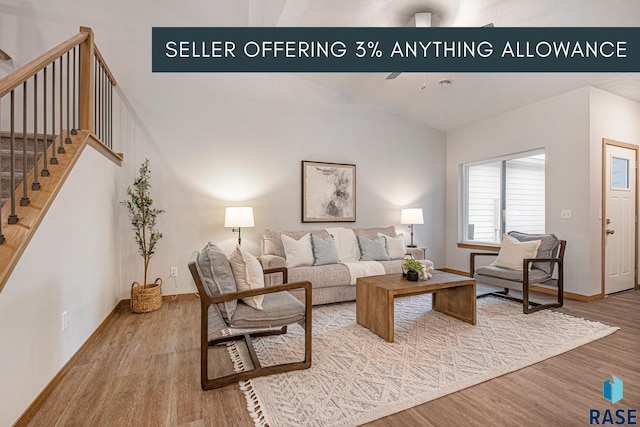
<point>297,252</point>
<point>395,246</point>
<point>513,251</point>
<point>248,275</point>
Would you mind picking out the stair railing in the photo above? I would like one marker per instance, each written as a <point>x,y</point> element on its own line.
<point>66,89</point>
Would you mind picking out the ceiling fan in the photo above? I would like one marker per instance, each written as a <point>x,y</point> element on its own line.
<point>423,20</point>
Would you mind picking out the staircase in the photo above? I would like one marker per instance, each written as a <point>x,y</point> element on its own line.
<point>5,160</point>
<point>70,86</point>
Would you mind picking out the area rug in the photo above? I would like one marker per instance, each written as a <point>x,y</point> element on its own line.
<point>357,377</point>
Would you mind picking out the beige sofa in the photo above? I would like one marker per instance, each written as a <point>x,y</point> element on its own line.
<point>331,282</point>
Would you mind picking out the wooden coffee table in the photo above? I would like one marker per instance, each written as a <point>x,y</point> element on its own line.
<point>453,295</point>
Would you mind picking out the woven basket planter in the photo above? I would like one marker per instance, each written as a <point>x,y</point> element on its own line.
<point>146,298</point>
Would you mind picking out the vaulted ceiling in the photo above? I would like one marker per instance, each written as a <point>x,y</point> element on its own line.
<point>122,30</point>
<point>473,96</point>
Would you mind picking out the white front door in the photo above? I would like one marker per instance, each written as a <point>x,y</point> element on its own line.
<point>620,218</point>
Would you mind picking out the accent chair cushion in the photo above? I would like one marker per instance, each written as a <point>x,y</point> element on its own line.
<point>372,249</point>
<point>394,245</point>
<point>217,276</point>
<point>279,309</point>
<point>297,252</point>
<point>248,274</point>
<point>503,277</point>
<point>549,244</point>
<point>324,250</point>
<point>512,252</point>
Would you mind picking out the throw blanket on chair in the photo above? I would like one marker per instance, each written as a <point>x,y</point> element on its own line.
<point>363,268</point>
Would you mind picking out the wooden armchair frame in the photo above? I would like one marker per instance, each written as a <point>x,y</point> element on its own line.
<point>528,306</point>
<point>258,370</point>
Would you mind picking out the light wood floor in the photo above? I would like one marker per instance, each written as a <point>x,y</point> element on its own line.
<point>144,370</point>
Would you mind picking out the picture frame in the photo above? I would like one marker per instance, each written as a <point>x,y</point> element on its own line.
<point>328,192</point>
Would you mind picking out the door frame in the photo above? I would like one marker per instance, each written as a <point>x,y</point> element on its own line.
<point>614,143</point>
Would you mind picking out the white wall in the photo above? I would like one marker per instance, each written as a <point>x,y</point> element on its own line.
<point>570,127</point>
<point>250,153</point>
<point>71,264</point>
<point>611,117</point>
<point>560,125</point>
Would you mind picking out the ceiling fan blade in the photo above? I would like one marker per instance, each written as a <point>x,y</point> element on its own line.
<point>421,20</point>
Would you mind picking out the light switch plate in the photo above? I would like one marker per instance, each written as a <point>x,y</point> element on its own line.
<point>565,214</point>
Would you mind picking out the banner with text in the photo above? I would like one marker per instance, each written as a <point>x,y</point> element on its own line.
<point>272,49</point>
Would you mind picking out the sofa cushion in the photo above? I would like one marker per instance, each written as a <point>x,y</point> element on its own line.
<point>217,276</point>
<point>372,233</point>
<point>395,246</point>
<point>372,249</point>
<point>297,252</point>
<point>512,252</point>
<point>331,275</point>
<point>324,250</point>
<point>549,244</point>
<point>248,274</point>
<point>272,240</point>
<point>321,276</point>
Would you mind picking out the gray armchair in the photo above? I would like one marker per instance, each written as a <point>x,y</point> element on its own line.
<point>221,307</point>
<point>535,271</point>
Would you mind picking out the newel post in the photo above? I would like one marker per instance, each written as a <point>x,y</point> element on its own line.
<point>86,92</point>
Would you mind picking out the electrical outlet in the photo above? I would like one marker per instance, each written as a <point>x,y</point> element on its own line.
<point>65,320</point>
<point>174,271</point>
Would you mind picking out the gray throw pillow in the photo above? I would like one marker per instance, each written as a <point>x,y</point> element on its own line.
<point>218,277</point>
<point>324,250</point>
<point>372,249</point>
<point>548,248</point>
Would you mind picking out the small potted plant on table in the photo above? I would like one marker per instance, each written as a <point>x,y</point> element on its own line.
<point>148,296</point>
<point>411,269</point>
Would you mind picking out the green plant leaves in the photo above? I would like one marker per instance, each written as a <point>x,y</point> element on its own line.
<point>143,215</point>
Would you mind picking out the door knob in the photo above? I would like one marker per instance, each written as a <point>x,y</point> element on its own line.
<point>610,231</point>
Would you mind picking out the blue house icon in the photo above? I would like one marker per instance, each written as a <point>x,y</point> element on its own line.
<point>612,389</point>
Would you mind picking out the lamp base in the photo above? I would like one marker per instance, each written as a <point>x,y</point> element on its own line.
<point>412,246</point>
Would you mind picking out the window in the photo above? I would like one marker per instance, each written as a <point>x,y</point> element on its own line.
<point>502,195</point>
<point>619,173</point>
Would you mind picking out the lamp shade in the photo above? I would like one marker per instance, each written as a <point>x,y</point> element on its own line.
<point>239,217</point>
<point>411,216</point>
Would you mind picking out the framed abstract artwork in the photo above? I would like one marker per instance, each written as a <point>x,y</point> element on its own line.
<point>328,192</point>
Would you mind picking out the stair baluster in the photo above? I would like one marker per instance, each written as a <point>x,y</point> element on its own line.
<point>61,148</point>
<point>13,218</point>
<point>45,170</point>
<point>24,200</point>
<point>67,140</point>
<point>95,96</point>
<point>36,184</point>
<point>54,159</point>
<point>110,143</point>
<point>74,130</point>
